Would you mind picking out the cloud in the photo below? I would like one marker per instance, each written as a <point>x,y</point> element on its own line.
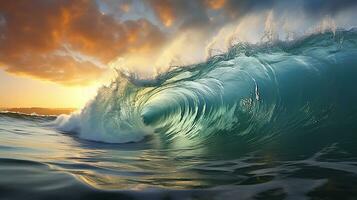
<point>327,7</point>
<point>215,4</point>
<point>71,42</point>
<point>181,14</point>
<point>32,34</point>
<point>170,11</point>
<point>165,11</point>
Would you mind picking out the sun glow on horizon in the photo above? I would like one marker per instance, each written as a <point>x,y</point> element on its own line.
<point>28,92</point>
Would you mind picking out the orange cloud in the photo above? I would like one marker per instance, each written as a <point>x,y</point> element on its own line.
<point>40,39</point>
<point>60,69</point>
<point>125,7</point>
<point>164,10</point>
<point>215,4</point>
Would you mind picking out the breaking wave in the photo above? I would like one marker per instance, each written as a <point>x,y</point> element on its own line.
<point>258,92</point>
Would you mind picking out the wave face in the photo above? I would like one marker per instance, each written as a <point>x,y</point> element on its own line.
<point>258,92</point>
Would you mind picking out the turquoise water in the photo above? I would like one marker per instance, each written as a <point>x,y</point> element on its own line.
<point>269,121</point>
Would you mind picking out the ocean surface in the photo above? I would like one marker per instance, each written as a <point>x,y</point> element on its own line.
<point>276,120</point>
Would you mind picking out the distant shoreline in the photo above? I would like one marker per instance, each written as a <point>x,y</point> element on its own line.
<point>41,111</point>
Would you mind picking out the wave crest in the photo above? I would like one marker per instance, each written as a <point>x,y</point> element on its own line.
<point>258,91</point>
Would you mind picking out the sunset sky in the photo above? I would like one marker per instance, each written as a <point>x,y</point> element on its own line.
<point>56,53</point>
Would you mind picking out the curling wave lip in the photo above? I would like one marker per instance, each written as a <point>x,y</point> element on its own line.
<point>258,91</point>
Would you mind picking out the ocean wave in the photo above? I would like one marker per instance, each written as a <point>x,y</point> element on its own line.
<point>257,91</point>
<point>26,116</point>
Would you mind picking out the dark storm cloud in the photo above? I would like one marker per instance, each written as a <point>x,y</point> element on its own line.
<point>327,7</point>
<point>171,11</point>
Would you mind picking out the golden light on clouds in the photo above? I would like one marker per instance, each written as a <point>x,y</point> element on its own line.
<point>125,7</point>
<point>165,11</point>
<point>67,42</point>
<point>215,4</point>
<point>69,45</point>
